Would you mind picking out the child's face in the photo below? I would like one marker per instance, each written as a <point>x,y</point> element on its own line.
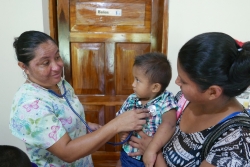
<point>141,85</point>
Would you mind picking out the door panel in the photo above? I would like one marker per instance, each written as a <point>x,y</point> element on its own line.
<point>88,72</point>
<point>125,54</point>
<point>98,41</point>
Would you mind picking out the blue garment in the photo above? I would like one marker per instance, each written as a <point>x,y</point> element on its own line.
<point>33,164</point>
<point>127,161</point>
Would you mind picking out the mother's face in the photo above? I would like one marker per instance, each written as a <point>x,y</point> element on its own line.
<point>190,89</point>
<point>46,67</point>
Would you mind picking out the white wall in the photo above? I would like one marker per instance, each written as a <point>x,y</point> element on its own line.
<point>15,17</point>
<point>186,19</point>
<point>191,17</point>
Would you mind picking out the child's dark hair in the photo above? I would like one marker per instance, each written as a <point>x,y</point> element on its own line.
<point>157,68</point>
<point>215,58</point>
<point>11,156</point>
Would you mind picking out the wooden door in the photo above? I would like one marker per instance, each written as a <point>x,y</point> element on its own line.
<point>98,40</point>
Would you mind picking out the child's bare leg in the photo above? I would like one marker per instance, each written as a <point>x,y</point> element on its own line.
<point>118,164</point>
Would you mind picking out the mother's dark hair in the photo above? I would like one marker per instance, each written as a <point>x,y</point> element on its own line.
<point>215,58</point>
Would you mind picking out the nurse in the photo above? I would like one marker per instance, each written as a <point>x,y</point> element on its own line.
<point>53,134</point>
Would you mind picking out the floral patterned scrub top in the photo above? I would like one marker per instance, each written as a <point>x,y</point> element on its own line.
<point>40,119</point>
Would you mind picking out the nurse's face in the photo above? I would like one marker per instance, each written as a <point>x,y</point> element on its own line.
<point>46,67</point>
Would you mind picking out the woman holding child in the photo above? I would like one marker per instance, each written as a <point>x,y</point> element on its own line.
<point>212,70</point>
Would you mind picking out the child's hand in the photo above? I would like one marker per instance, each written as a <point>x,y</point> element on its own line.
<point>94,126</point>
<point>149,158</point>
<point>124,135</point>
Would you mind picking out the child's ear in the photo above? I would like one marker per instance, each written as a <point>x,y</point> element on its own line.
<point>156,87</point>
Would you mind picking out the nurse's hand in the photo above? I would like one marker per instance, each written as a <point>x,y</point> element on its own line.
<point>131,120</point>
<point>93,126</point>
<point>140,143</point>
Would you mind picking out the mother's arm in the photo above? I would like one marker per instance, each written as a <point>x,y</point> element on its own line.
<point>70,150</point>
<point>206,164</point>
<point>141,144</point>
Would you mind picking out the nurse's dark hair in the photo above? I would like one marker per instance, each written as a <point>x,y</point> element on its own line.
<point>156,67</point>
<point>27,43</point>
<point>215,58</point>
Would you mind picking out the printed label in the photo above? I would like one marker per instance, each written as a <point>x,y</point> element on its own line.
<point>108,12</point>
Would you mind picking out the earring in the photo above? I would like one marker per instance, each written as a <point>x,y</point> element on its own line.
<point>63,77</point>
<point>24,74</point>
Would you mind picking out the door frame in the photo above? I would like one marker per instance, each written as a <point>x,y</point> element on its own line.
<point>53,19</point>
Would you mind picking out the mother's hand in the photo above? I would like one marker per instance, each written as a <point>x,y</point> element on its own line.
<point>140,143</point>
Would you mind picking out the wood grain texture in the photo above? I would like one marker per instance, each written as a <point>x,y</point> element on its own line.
<point>88,68</point>
<point>136,16</point>
<point>98,53</point>
<point>53,20</point>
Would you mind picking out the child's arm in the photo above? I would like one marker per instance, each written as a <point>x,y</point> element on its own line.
<point>161,137</point>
